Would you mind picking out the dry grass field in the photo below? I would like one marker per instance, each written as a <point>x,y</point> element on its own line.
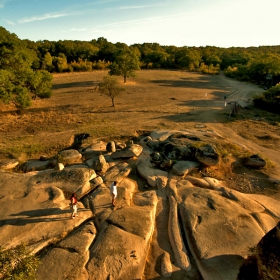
<point>155,99</point>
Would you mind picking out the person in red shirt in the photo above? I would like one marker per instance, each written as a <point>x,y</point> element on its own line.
<point>73,205</point>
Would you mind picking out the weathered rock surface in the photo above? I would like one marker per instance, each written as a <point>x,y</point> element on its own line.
<point>211,227</point>
<point>68,157</point>
<point>98,163</point>
<point>217,224</point>
<point>255,161</point>
<point>182,168</point>
<point>34,212</point>
<point>36,165</point>
<point>130,151</point>
<point>9,164</point>
<point>72,252</point>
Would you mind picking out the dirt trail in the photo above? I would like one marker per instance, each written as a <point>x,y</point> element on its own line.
<point>243,91</point>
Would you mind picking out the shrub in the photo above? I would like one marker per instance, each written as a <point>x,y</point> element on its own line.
<point>18,264</point>
<point>269,100</point>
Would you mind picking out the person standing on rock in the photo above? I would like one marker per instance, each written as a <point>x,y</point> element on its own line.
<point>73,205</point>
<point>114,192</point>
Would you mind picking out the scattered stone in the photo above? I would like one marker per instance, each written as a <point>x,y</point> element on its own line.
<point>254,161</point>
<point>35,165</point>
<point>111,147</point>
<point>98,163</point>
<point>68,157</point>
<point>207,155</point>
<point>59,166</point>
<point>182,168</point>
<point>9,164</point>
<point>117,172</point>
<point>133,150</point>
<point>43,158</point>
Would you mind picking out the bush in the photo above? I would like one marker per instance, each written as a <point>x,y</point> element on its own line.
<point>18,264</point>
<point>269,100</point>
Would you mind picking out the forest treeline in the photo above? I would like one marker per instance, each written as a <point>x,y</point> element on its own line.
<point>246,64</point>
<point>260,65</point>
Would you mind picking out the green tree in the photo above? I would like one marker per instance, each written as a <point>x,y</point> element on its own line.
<point>47,62</point>
<point>125,64</point>
<point>18,264</point>
<point>17,74</point>
<point>110,87</point>
<point>39,83</point>
<point>188,58</point>
<point>60,63</point>
<point>269,100</point>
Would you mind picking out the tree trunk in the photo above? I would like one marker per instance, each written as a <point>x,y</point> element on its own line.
<point>113,101</point>
<point>124,79</point>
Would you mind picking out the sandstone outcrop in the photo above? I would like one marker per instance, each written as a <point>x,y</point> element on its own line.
<point>169,217</point>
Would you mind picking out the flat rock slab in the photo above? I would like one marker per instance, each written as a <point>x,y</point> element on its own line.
<point>70,179</point>
<point>135,220</point>
<point>34,214</point>
<point>117,254</point>
<point>69,257</point>
<point>219,228</point>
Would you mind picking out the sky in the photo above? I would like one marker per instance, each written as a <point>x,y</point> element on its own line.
<point>220,23</point>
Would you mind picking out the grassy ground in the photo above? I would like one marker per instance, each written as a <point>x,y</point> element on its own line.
<point>155,99</point>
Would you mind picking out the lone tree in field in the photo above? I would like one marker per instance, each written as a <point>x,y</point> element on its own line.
<point>125,64</point>
<point>110,87</point>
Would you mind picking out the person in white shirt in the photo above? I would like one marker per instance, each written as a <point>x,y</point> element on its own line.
<point>114,192</point>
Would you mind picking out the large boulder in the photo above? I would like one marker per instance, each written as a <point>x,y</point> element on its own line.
<point>117,254</point>
<point>207,155</point>
<point>93,150</point>
<point>175,237</point>
<point>254,161</point>
<point>130,151</point>
<point>122,245</point>
<point>68,157</point>
<point>98,163</point>
<point>111,147</point>
<point>150,174</point>
<point>36,165</point>
<point>70,179</point>
<point>117,172</point>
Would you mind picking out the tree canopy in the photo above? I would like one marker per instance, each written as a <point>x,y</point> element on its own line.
<point>125,64</point>
<point>110,87</point>
<point>20,60</point>
<point>18,80</point>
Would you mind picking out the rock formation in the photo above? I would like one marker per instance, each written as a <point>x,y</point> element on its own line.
<point>170,220</point>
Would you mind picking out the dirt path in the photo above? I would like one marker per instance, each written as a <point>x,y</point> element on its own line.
<point>243,91</point>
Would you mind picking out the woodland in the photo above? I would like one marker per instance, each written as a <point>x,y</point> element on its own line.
<point>26,66</point>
